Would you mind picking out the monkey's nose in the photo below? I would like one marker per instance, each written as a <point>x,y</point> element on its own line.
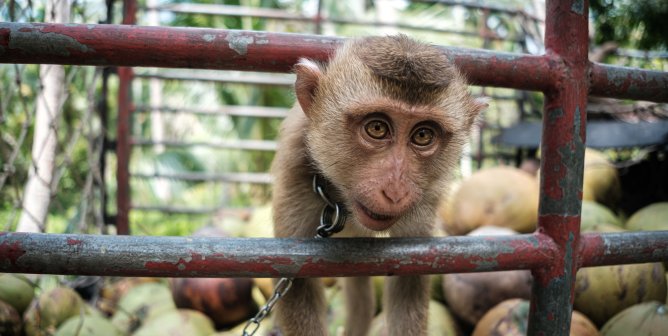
<point>394,194</point>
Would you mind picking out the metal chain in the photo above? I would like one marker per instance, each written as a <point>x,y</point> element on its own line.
<point>332,220</point>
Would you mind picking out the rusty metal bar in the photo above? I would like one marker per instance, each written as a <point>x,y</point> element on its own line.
<point>123,150</point>
<point>563,144</point>
<point>623,248</point>
<point>246,50</point>
<point>225,49</point>
<point>125,75</point>
<point>623,82</point>
<point>269,257</point>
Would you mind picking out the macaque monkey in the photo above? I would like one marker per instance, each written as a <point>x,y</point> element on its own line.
<point>384,123</point>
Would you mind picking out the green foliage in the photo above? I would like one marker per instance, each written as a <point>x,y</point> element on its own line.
<point>632,23</point>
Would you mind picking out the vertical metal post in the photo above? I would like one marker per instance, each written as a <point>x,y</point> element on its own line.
<point>563,143</point>
<point>123,149</point>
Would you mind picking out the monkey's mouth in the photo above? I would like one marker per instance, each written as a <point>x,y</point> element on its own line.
<point>373,220</point>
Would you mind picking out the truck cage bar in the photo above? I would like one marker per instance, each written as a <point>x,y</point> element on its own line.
<point>553,253</point>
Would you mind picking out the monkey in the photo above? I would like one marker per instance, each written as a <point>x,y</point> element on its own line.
<point>383,122</point>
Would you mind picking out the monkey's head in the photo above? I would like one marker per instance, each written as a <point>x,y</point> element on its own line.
<point>387,120</point>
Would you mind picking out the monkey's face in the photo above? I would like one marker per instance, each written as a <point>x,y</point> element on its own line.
<point>389,156</point>
<point>387,118</point>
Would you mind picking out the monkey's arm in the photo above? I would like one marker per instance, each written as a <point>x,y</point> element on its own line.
<point>296,215</point>
<point>407,305</point>
<point>360,305</point>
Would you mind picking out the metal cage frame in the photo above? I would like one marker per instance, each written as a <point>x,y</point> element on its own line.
<point>554,252</point>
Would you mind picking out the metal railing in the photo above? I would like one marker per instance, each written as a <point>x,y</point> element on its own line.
<point>553,253</point>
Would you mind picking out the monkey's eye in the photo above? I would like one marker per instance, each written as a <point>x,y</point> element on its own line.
<point>377,129</point>
<point>423,136</point>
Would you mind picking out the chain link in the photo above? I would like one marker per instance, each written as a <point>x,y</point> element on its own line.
<point>332,220</point>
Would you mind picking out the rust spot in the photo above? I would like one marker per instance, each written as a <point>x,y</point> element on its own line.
<point>72,242</point>
<point>197,264</point>
<point>11,251</point>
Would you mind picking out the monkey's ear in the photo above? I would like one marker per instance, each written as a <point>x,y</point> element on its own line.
<point>308,77</point>
<point>479,105</point>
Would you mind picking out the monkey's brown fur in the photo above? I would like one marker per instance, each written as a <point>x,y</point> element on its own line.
<point>391,184</point>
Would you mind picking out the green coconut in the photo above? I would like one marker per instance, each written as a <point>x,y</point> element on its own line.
<point>594,214</point>
<point>88,325</point>
<point>16,290</point>
<point>603,291</point>
<point>650,218</point>
<point>140,304</point>
<point>178,322</point>
<point>648,318</point>
<point>51,309</point>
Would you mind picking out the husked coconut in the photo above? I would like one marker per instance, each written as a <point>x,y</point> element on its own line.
<point>499,196</point>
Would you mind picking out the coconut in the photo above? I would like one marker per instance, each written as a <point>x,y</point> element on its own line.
<point>511,318</point>
<point>112,292</point>
<point>51,309</point>
<point>500,196</point>
<point>178,322</point>
<point>649,318</point>
<point>603,291</point>
<point>440,323</point>
<point>140,304</point>
<point>227,301</point>
<point>471,295</point>
<point>16,290</point>
<point>596,214</point>
<point>88,325</point>
<point>600,179</point>
<point>10,320</point>
<point>650,218</point>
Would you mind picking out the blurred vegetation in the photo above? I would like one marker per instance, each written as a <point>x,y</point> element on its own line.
<point>76,205</point>
<point>637,24</point>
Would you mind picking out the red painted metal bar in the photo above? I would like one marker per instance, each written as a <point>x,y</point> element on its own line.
<point>123,138</point>
<point>563,143</point>
<point>269,257</point>
<point>123,148</point>
<point>622,82</point>
<point>224,49</point>
<point>246,50</point>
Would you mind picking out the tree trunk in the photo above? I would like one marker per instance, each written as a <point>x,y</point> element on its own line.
<point>50,100</point>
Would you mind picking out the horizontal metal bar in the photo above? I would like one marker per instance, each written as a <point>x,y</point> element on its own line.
<point>623,82</point>
<point>236,257</point>
<point>127,45</point>
<point>224,77</point>
<point>259,178</point>
<point>225,110</point>
<point>244,257</point>
<point>259,145</point>
<point>623,248</point>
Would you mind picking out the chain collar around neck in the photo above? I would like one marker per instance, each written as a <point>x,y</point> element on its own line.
<point>333,215</point>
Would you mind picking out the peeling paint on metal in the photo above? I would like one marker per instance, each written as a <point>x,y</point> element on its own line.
<point>31,38</point>
<point>239,42</point>
<point>262,41</point>
<point>578,7</point>
<point>208,37</point>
